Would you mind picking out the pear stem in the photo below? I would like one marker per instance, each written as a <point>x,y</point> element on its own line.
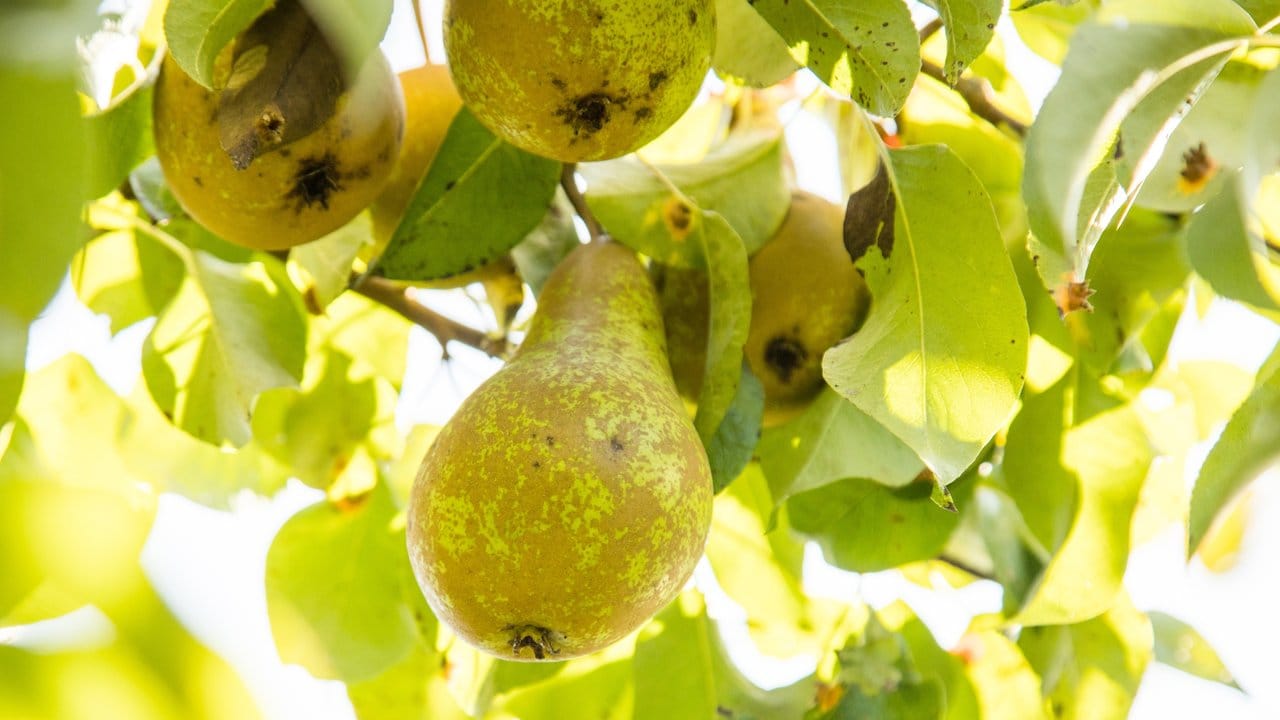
<point>570,185</point>
<point>396,297</point>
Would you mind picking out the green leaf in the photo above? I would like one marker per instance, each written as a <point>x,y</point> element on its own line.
<point>1261,10</point>
<point>597,687</point>
<point>1140,266</point>
<point>480,197</point>
<point>682,670</point>
<point>1047,28</point>
<point>747,47</point>
<point>119,139</point>
<point>743,180</point>
<point>13,360</point>
<point>1017,558</point>
<point>355,27</point>
<point>869,51</point>
<point>231,332</point>
<point>729,320</point>
<point>148,185</point>
<point>126,276</point>
<point>920,365</point>
<point>412,689</point>
<point>734,443</point>
<point>1224,251</point>
<point>197,30</point>
<point>1076,482</point>
<point>174,461</point>
<point>334,589</point>
<point>1249,444</point>
<point>1133,57</point>
<point>314,432</point>
<point>543,248</point>
<point>365,331</point>
<point>864,526</point>
<point>1005,685</point>
<point>43,155</point>
<point>1091,670</point>
<point>970,25</point>
<point>880,674</point>
<point>759,566</point>
<point>833,440</point>
<point>322,269</point>
<point>1178,645</point>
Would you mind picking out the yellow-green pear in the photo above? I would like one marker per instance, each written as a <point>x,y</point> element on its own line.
<point>574,80</point>
<point>569,497</point>
<point>806,296</point>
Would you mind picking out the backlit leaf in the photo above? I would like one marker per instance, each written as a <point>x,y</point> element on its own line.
<point>730,318</point>
<point>743,180</point>
<point>480,197</point>
<point>197,30</point>
<point>335,595</point>
<point>970,25</point>
<point>939,361</point>
<point>1249,444</point>
<point>869,51</point>
<point>231,332</point>
<point>748,48</point>
<point>1178,645</point>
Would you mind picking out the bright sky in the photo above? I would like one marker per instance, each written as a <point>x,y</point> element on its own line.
<point>209,565</point>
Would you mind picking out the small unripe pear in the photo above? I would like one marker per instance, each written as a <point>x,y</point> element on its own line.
<point>569,497</point>
<point>574,80</point>
<point>806,296</point>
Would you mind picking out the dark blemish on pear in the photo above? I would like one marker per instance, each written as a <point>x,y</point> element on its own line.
<point>656,79</point>
<point>551,442</point>
<point>196,179</point>
<point>588,114</point>
<point>785,355</point>
<point>615,444</point>
<point>316,180</point>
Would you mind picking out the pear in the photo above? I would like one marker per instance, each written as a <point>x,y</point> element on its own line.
<point>579,80</point>
<point>806,296</point>
<point>569,497</point>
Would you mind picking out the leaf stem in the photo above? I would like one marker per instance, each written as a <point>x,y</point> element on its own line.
<point>964,567</point>
<point>396,297</point>
<point>579,202</point>
<point>422,30</point>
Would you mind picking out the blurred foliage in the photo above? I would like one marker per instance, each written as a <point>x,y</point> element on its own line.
<point>1018,349</point>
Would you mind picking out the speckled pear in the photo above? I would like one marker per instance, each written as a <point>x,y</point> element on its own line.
<point>574,80</point>
<point>569,498</point>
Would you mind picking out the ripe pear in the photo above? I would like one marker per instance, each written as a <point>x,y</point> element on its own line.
<point>291,195</point>
<point>569,498</point>
<point>806,296</point>
<point>579,80</point>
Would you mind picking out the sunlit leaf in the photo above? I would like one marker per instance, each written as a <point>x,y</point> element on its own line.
<point>314,431</point>
<point>921,365</point>
<point>1233,259</point>
<point>126,276</point>
<point>1248,445</point>
<point>480,197</point>
<point>1091,670</point>
<point>1047,27</point>
<point>970,25</point>
<point>322,269</point>
<point>869,51</point>
<point>335,589</point>
<point>729,320</point>
<point>1076,482</point>
<point>833,440</point>
<point>734,442</point>
<point>1178,645</point>
<point>864,526</point>
<point>748,48</point>
<point>742,180</point>
<point>197,30</point>
<point>1006,686</point>
<point>119,139</point>
<point>1132,57</point>
<point>43,158</point>
<point>231,332</point>
<point>365,331</point>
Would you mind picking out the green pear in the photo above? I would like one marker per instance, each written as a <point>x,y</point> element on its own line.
<point>806,296</point>
<point>579,80</point>
<point>569,497</point>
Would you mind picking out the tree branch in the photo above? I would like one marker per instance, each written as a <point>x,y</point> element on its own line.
<point>975,91</point>
<point>964,567</point>
<point>444,329</point>
<point>579,202</point>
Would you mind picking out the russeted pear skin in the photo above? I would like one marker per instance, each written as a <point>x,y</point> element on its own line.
<point>289,196</point>
<point>579,80</point>
<point>569,497</point>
